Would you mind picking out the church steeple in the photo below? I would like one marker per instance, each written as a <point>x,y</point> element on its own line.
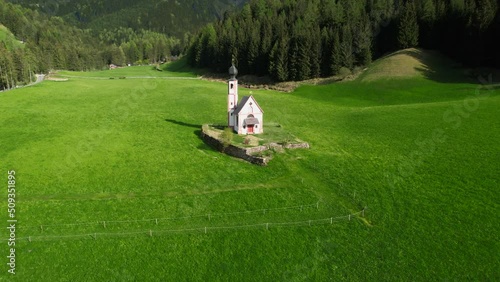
<point>232,95</point>
<point>233,71</point>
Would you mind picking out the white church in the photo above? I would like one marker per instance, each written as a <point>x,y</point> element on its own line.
<point>246,116</point>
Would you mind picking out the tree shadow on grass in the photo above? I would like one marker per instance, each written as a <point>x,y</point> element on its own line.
<point>203,146</point>
<point>439,68</point>
<point>181,66</point>
<point>181,123</point>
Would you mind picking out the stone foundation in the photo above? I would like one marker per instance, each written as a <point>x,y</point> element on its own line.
<point>211,138</point>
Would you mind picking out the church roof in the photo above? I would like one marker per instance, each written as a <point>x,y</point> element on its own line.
<point>244,101</point>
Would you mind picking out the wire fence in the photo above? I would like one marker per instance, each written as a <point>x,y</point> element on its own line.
<point>201,229</point>
<point>208,216</point>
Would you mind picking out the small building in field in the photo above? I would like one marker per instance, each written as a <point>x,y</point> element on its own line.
<point>245,116</point>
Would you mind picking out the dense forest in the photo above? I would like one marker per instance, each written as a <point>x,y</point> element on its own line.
<point>169,17</point>
<point>31,41</point>
<point>41,43</point>
<point>301,39</point>
<point>287,40</point>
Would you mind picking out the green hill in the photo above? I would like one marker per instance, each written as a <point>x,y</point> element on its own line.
<point>413,63</point>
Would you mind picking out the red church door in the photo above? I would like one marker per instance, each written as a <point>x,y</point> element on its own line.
<point>250,129</point>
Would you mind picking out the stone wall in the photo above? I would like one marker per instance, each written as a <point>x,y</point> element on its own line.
<point>303,145</point>
<point>242,153</point>
<point>211,138</point>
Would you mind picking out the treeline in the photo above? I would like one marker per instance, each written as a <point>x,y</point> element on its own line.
<point>302,39</point>
<point>139,47</point>
<point>45,43</point>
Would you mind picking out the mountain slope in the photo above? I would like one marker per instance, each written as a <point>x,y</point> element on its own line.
<point>171,17</point>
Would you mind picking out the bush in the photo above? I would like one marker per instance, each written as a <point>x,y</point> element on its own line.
<point>344,72</point>
<point>227,137</point>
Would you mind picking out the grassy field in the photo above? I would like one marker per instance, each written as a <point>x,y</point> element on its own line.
<point>421,153</point>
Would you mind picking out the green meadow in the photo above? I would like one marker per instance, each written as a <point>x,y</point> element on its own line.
<point>113,182</point>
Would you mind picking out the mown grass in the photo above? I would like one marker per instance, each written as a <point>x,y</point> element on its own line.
<point>130,72</point>
<point>108,150</point>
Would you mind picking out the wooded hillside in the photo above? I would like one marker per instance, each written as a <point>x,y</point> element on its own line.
<point>302,39</point>
<point>38,43</point>
<point>170,17</point>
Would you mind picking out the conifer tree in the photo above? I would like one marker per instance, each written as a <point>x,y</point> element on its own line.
<point>336,56</point>
<point>408,29</point>
<point>253,45</point>
<point>326,58</point>
<point>303,67</point>
<point>278,60</point>
<point>315,56</point>
<point>346,48</point>
<point>293,58</point>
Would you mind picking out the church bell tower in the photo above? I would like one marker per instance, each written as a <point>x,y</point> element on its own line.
<point>232,96</point>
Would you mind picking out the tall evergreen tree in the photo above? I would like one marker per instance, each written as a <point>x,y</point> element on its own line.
<point>253,46</point>
<point>293,58</point>
<point>278,60</point>
<point>315,55</point>
<point>326,50</point>
<point>336,55</point>
<point>346,47</point>
<point>408,26</point>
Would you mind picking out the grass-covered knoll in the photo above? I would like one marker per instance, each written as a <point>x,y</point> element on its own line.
<point>422,155</point>
<point>413,63</point>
